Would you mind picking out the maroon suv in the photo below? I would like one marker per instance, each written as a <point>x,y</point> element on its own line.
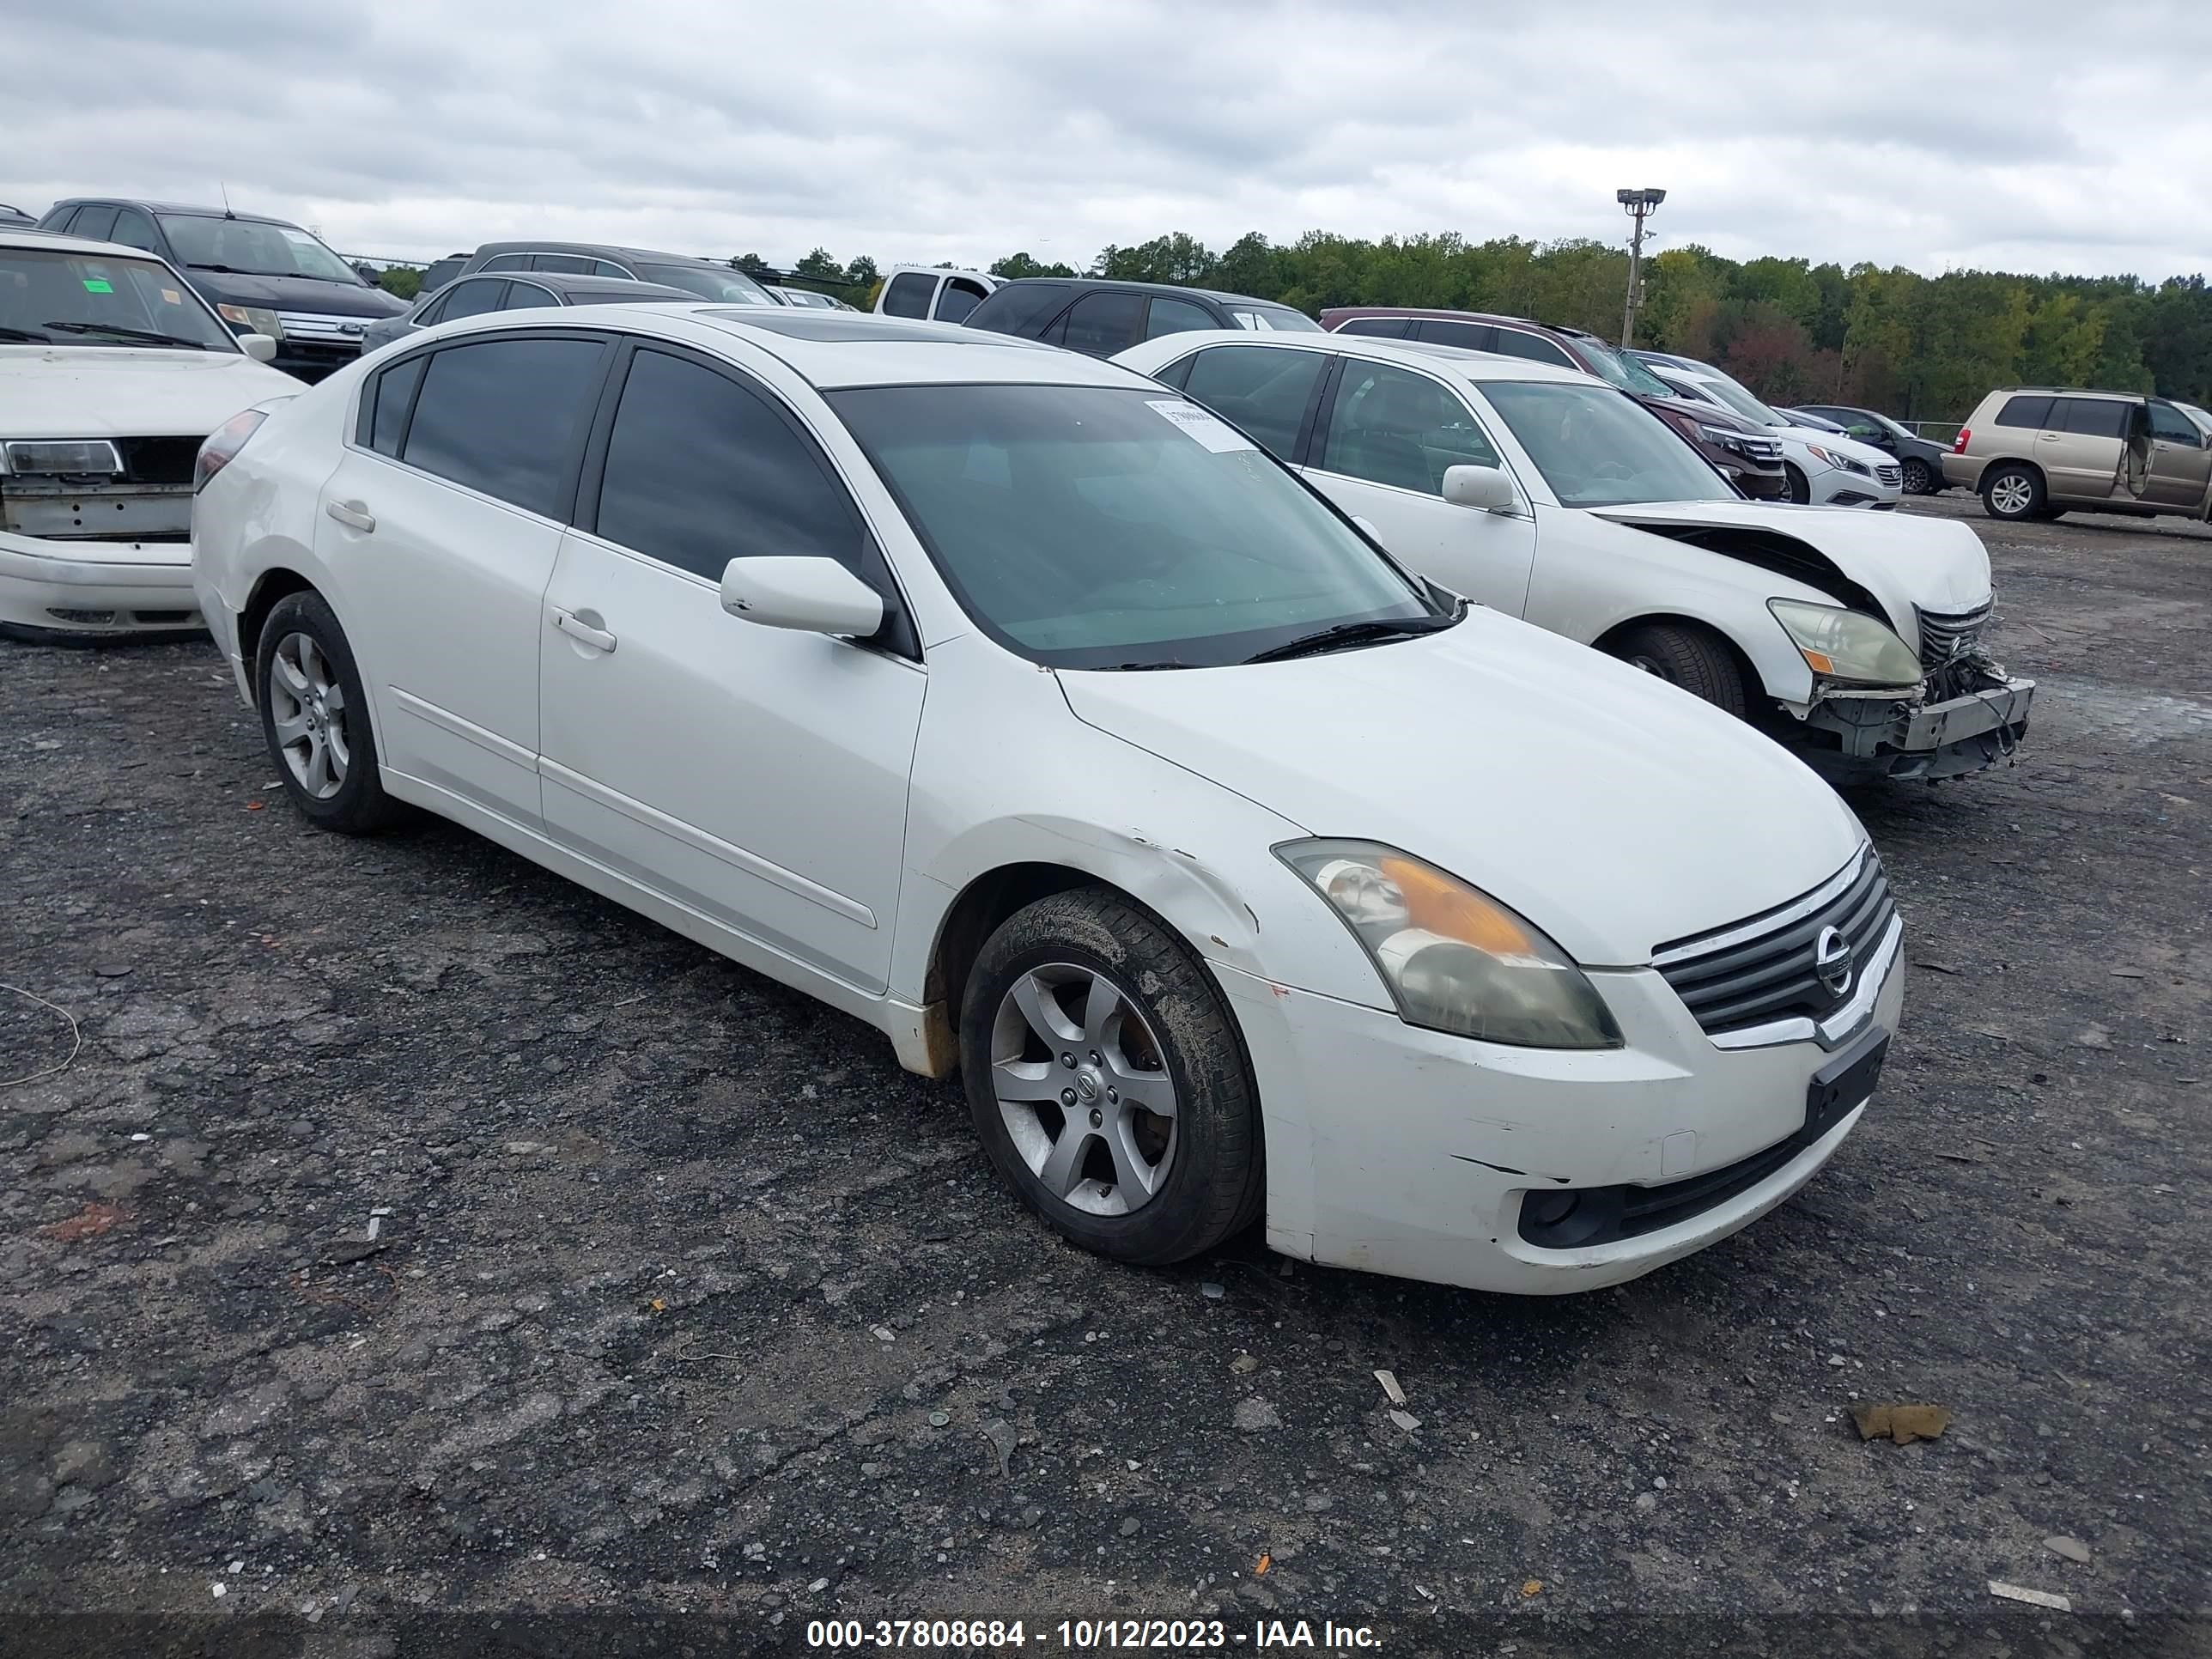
<point>1745,455</point>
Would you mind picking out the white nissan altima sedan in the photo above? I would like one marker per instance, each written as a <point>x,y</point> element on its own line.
<point>1016,705</point>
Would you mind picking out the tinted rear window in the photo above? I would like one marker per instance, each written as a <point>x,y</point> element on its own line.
<point>395,390</point>
<point>2034,412</point>
<point>1022,308</point>
<point>909,294</point>
<point>2093,417</point>
<point>504,417</point>
<point>1474,337</point>
<point>1514,343</point>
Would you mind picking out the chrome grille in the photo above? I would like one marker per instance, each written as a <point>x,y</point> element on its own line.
<point>1948,633</point>
<point>1762,449</point>
<point>1892,475</point>
<point>328,331</point>
<point>1761,969</point>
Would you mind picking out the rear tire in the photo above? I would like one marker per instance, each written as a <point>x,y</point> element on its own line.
<point>2013,493</point>
<point>1920,478</point>
<point>1079,1007</point>
<point>1800,491</point>
<point>314,718</point>
<point>1690,658</point>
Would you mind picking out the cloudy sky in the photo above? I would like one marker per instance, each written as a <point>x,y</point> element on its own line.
<point>2016,135</point>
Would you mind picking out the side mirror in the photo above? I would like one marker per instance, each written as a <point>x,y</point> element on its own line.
<point>262,348</point>
<point>1485,489</point>
<point>812,595</point>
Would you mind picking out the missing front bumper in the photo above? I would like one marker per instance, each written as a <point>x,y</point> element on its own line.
<point>1878,738</point>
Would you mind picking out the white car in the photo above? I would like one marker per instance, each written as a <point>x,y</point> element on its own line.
<point>112,371</point>
<point>808,298</point>
<point>1021,708</point>
<point>937,293</point>
<point>1824,468</point>
<point>1853,639</point>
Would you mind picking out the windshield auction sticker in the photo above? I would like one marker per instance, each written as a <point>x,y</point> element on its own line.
<point>1217,436</point>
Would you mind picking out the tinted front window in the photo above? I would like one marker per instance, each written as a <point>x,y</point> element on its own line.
<point>133,229</point>
<point>700,471</point>
<point>1175,317</point>
<point>520,296</point>
<point>2031,412</point>
<point>505,416</point>
<point>575,265</point>
<point>506,262</point>
<point>1100,325</point>
<point>1263,389</point>
<point>2169,423</point>
<point>1471,336</point>
<point>469,298</point>
<point>1391,426</point>
<point>254,247</point>
<point>708,282</point>
<point>958,298</point>
<point>1021,308</point>
<point>1518,343</point>
<point>1381,328</point>
<point>1599,447</point>
<point>93,224</point>
<point>1093,527</point>
<point>50,297</point>
<point>394,391</point>
<point>909,294</point>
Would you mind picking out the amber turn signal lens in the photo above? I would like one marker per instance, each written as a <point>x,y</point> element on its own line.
<point>1435,902</point>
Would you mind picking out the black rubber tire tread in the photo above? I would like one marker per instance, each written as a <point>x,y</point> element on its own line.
<point>2038,501</point>
<point>1217,1185</point>
<point>1800,492</point>
<point>1690,658</point>
<point>361,807</point>
<point>1920,478</point>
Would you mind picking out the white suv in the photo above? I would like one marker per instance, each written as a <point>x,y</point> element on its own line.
<point>1825,469</point>
<point>1021,708</point>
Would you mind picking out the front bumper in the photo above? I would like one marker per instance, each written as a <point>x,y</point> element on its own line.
<point>1401,1151</point>
<point>1835,487</point>
<point>96,589</point>
<point>1878,737</point>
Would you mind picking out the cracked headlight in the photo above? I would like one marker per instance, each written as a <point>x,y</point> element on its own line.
<point>1846,644</point>
<point>1456,959</point>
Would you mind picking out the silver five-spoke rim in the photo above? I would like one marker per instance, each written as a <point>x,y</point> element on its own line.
<point>1082,1083</point>
<point>2010,493</point>
<point>309,705</point>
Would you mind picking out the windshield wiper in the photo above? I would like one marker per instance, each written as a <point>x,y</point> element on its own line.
<point>1351,633</point>
<point>1146,667</point>
<point>23,334</point>
<point>145,334</point>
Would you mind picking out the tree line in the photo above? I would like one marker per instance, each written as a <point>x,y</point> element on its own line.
<point>1919,348</point>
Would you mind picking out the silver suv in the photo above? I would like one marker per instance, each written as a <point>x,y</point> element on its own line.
<point>2036,451</point>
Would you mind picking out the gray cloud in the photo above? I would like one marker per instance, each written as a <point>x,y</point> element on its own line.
<point>1975,133</point>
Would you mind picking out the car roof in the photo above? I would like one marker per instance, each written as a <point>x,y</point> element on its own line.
<point>601,251</point>
<point>141,202</point>
<point>24,236</point>
<point>1445,313</point>
<point>1472,365</point>
<point>1213,294</point>
<point>2067,391</point>
<point>566,281</point>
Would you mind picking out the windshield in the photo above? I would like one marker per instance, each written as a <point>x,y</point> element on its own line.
<point>1623,371</point>
<point>254,247</point>
<point>1895,431</point>
<point>1732,396</point>
<point>47,296</point>
<point>708,282</point>
<point>1598,448</point>
<point>1094,527</point>
<point>2202,419</point>
<point>1281,318</point>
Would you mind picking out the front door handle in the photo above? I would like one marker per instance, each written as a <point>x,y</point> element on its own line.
<point>352,515</point>
<point>597,638</point>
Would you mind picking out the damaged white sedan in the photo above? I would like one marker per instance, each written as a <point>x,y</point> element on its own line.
<point>1854,639</point>
<point>112,372</point>
<point>1021,710</point>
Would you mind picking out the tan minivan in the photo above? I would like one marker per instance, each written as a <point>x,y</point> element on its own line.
<point>2034,453</point>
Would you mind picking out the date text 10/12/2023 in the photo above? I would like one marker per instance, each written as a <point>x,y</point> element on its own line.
<point>1090,1635</point>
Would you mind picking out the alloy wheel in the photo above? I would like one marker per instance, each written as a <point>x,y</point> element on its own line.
<point>2012,494</point>
<point>1082,1084</point>
<point>308,708</point>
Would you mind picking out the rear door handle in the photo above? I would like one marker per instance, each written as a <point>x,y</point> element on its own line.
<point>352,515</point>
<point>597,638</point>
<point>2047,437</point>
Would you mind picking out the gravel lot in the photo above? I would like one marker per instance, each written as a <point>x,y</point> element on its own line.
<point>687,1304</point>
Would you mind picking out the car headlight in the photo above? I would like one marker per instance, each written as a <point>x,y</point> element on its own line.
<point>253,319</point>
<point>1731,442</point>
<point>1836,457</point>
<point>1456,959</point>
<point>1846,644</point>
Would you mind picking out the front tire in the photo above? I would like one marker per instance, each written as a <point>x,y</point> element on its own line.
<point>1794,480</point>
<point>314,717</point>
<point>1108,1080</point>
<point>2013,493</point>
<point>1691,658</point>
<point>1920,478</point>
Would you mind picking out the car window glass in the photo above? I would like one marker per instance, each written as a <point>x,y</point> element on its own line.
<point>1517,342</point>
<point>575,265</point>
<point>93,224</point>
<point>1391,426</point>
<point>959,297</point>
<point>2094,418</point>
<point>1474,337</point>
<point>471,297</point>
<point>1103,324</point>
<point>1175,317</point>
<point>133,229</point>
<point>2169,423</point>
<point>1176,373</point>
<point>909,294</point>
<point>504,416</point>
<point>1020,308</point>
<point>2026,411</point>
<point>394,391</point>
<point>506,262</point>
<point>607,267</point>
<point>1263,389</point>
<point>1384,328</point>
<point>520,296</point>
<point>700,470</point>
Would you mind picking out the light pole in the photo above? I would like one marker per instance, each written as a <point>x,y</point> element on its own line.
<point>1640,205</point>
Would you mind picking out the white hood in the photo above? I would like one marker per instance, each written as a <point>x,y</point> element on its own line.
<point>1904,560</point>
<point>1612,811</point>
<point>127,391</point>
